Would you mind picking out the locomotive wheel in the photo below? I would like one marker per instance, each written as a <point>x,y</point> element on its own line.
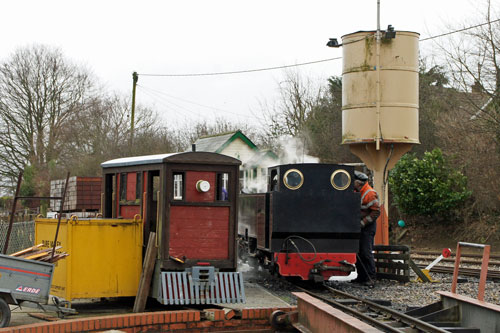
<point>274,270</point>
<point>261,258</point>
<point>276,320</point>
<point>4,313</point>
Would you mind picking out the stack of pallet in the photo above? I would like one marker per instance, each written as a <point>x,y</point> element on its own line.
<point>82,194</point>
<point>37,253</point>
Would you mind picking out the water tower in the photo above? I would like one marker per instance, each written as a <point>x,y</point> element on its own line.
<point>380,104</point>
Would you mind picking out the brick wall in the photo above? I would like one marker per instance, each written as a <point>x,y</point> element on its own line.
<point>211,320</point>
<point>83,193</point>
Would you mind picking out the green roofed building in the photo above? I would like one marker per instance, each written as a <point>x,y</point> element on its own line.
<point>253,172</point>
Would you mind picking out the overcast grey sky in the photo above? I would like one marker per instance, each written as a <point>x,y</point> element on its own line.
<point>115,38</point>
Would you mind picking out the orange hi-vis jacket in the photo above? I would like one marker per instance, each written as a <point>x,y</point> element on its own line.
<point>370,209</point>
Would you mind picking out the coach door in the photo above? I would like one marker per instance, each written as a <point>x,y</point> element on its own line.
<point>199,217</point>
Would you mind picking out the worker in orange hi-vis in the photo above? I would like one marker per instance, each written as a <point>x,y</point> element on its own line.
<point>370,211</point>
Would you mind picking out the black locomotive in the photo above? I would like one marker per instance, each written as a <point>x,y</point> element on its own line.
<point>306,224</point>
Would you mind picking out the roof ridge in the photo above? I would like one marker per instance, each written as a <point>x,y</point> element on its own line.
<point>218,134</point>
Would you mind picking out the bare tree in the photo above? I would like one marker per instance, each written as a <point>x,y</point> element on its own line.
<point>324,126</point>
<point>473,58</point>
<point>101,131</point>
<point>39,92</point>
<point>298,96</point>
<point>189,133</point>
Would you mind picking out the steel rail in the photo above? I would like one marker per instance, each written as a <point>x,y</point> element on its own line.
<point>473,272</point>
<point>395,315</point>
<point>471,255</point>
<point>462,261</point>
<point>353,312</point>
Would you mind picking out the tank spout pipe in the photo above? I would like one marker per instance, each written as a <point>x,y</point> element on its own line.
<point>377,69</point>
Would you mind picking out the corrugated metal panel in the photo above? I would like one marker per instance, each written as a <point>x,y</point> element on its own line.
<point>189,288</point>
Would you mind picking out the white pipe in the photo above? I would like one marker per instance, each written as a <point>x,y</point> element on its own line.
<point>377,69</point>
<point>351,276</point>
<point>432,264</point>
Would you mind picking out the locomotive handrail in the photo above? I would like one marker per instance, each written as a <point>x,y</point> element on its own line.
<point>482,246</point>
<point>484,267</point>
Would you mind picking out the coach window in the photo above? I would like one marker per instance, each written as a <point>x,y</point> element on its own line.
<point>123,186</point>
<point>178,186</point>
<point>293,179</point>
<point>222,186</point>
<point>156,186</point>
<point>263,172</point>
<point>340,179</point>
<point>138,187</point>
<point>273,183</point>
<point>242,179</point>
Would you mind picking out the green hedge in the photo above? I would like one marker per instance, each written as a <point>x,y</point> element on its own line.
<point>427,186</point>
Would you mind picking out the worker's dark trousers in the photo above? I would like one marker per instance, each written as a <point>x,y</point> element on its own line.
<point>366,268</point>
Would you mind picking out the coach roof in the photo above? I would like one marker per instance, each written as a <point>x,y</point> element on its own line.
<point>187,157</point>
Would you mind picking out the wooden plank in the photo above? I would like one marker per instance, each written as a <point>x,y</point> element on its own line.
<point>146,275</point>
<point>42,316</point>
<point>395,265</point>
<point>37,256</point>
<point>417,271</point>
<point>393,256</point>
<point>404,248</point>
<point>25,251</point>
<point>55,258</point>
<point>40,253</point>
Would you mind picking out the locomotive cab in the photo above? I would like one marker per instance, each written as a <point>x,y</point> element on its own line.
<point>308,225</point>
<point>190,201</point>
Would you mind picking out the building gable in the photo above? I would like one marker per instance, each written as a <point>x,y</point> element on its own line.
<point>235,136</point>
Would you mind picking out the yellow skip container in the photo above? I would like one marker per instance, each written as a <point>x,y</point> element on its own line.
<point>105,256</point>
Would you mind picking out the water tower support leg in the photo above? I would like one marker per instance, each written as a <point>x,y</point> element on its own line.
<point>378,161</point>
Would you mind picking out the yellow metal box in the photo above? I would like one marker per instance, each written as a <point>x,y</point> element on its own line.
<point>105,256</point>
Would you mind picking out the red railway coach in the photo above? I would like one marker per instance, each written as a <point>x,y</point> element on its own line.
<point>190,200</point>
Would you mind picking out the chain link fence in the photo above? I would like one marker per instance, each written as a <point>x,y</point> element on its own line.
<point>22,235</point>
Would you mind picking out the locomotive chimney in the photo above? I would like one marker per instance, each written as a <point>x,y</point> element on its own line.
<point>193,147</point>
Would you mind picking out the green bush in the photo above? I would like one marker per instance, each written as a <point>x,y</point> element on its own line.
<point>427,186</point>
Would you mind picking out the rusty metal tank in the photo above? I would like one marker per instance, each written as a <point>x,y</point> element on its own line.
<point>389,112</point>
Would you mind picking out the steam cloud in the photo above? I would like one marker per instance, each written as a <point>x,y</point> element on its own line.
<point>292,151</point>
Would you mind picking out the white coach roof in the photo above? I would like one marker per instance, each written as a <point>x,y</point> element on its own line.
<point>136,160</point>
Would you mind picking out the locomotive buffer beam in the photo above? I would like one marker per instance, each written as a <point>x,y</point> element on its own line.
<point>320,266</point>
<point>346,266</point>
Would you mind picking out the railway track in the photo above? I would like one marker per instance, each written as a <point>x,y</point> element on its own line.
<point>374,314</point>
<point>452,260</point>
<point>464,255</point>
<point>473,272</point>
<point>469,259</point>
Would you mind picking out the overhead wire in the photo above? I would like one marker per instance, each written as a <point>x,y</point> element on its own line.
<point>245,70</point>
<point>198,104</point>
<point>304,63</point>
<point>459,30</point>
<point>269,69</point>
<point>168,104</point>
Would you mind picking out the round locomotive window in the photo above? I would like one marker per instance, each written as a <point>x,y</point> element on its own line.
<point>340,179</point>
<point>293,179</point>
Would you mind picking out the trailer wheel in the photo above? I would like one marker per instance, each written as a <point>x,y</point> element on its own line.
<point>4,313</point>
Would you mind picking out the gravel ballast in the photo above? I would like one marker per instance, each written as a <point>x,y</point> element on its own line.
<point>402,295</point>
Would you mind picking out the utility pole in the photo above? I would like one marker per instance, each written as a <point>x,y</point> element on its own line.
<point>135,78</point>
